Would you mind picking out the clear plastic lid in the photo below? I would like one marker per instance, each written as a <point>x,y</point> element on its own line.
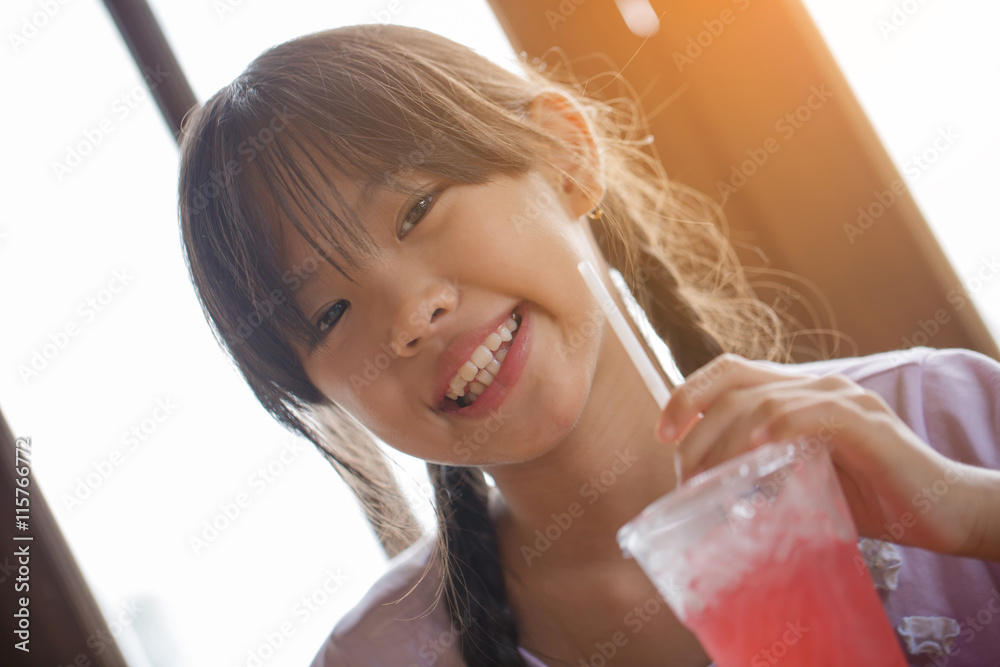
<point>710,497</point>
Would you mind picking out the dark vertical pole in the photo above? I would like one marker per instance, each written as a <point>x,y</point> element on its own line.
<point>39,576</point>
<point>45,595</point>
<point>155,59</point>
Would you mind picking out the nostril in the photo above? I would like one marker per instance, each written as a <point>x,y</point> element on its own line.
<point>436,313</point>
<point>412,342</point>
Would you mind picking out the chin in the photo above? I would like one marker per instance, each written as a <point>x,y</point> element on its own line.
<point>530,438</point>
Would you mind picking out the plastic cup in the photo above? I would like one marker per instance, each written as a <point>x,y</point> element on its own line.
<point>758,557</point>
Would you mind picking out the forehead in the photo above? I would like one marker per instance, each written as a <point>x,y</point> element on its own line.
<point>319,213</point>
<point>311,217</point>
<point>326,206</point>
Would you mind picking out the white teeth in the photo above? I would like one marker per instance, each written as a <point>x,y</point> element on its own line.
<point>481,356</point>
<point>468,370</point>
<point>483,365</point>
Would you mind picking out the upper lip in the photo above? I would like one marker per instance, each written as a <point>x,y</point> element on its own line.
<point>460,350</point>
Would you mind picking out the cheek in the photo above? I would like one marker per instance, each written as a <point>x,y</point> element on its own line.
<point>369,392</point>
<point>354,385</point>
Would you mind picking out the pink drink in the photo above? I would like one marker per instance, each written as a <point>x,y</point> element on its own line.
<point>759,558</point>
<point>737,629</point>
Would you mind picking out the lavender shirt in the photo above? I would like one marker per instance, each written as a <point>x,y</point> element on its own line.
<point>945,609</point>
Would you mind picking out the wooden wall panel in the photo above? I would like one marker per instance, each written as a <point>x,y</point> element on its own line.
<point>718,82</point>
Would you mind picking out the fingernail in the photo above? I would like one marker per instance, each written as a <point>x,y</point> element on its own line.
<point>667,431</point>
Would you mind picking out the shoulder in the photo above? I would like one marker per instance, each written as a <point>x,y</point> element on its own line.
<point>950,398</point>
<point>401,621</point>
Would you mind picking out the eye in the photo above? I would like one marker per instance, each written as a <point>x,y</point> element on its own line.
<point>330,317</point>
<point>416,214</point>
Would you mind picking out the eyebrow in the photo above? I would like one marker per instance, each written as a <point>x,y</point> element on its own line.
<point>367,197</point>
<point>312,284</point>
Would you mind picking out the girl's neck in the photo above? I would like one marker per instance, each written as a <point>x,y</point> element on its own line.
<point>567,505</point>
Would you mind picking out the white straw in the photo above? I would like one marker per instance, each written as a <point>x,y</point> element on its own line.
<point>654,382</point>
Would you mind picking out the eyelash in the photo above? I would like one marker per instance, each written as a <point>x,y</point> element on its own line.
<point>424,210</point>
<point>319,325</point>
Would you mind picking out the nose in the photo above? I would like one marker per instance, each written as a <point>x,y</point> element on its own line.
<point>418,315</point>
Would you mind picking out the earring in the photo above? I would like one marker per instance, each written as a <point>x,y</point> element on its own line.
<point>596,213</point>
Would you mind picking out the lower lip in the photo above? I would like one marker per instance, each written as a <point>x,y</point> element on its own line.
<point>510,371</point>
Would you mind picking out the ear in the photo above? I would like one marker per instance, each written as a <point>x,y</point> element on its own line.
<point>577,170</point>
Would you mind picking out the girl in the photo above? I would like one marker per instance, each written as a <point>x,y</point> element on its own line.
<point>383,230</point>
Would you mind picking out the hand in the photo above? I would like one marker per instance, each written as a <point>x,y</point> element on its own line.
<point>897,487</point>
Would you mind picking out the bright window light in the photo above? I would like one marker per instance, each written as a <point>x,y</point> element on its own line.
<point>181,498</point>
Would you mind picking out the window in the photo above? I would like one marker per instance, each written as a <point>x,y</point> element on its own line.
<point>176,491</point>
<point>924,73</point>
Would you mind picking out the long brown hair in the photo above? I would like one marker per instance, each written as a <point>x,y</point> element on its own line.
<point>374,102</point>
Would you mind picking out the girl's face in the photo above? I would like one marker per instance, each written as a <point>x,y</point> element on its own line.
<point>454,265</point>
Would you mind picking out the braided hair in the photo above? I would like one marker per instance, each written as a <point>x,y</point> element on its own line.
<point>444,109</point>
<point>475,586</point>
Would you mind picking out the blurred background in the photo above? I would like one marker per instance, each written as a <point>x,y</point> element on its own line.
<point>210,536</point>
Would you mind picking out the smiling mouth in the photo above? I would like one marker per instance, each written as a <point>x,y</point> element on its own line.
<point>483,365</point>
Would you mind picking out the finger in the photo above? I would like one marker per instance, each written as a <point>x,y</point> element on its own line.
<point>726,432</point>
<point>739,420</point>
<point>862,435</point>
<point>704,386</point>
